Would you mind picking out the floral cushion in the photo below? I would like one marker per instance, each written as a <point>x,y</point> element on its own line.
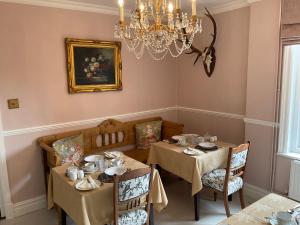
<point>70,149</point>
<point>137,217</point>
<point>147,133</point>
<point>215,179</point>
<point>239,159</point>
<point>133,188</point>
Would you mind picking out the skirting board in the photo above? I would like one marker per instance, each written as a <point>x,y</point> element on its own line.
<point>30,205</point>
<point>252,194</point>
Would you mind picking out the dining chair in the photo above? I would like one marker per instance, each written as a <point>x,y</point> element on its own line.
<point>132,192</point>
<point>231,179</point>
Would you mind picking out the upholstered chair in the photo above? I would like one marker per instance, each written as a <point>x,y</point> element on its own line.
<point>132,197</point>
<point>231,179</point>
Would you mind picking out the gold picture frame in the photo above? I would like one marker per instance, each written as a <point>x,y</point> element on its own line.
<point>93,66</point>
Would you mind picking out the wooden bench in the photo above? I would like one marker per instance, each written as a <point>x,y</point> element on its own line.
<point>109,135</point>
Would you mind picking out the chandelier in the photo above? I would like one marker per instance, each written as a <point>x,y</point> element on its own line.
<point>157,27</point>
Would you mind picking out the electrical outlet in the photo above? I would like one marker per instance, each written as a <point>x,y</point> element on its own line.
<point>13,103</point>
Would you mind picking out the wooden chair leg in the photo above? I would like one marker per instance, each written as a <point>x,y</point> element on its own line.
<point>215,196</point>
<point>242,200</point>
<point>226,205</point>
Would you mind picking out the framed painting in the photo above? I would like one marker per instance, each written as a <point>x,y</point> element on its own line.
<point>93,65</point>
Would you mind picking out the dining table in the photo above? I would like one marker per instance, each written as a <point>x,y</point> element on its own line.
<point>258,212</point>
<point>171,157</point>
<point>95,207</point>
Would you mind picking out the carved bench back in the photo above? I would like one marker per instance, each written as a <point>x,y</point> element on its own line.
<point>113,133</point>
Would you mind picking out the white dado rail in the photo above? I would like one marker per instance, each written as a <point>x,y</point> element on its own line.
<point>134,115</point>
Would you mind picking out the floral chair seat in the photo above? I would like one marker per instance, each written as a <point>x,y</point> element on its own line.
<point>215,179</point>
<point>136,217</point>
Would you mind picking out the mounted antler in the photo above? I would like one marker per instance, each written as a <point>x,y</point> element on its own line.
<point>208,55</point>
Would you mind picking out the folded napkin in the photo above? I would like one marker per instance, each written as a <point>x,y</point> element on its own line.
<point>92,182</point>
<point>110,155</point>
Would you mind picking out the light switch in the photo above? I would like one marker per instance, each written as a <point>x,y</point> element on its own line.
<point>13,103</point>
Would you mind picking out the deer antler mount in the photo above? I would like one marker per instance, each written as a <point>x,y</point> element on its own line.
<point>208,55</point>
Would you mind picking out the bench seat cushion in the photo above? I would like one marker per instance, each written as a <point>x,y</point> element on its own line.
<point>138,154</point>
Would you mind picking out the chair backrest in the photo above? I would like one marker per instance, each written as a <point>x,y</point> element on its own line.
<point>132,192</point>
<point>236,163</point>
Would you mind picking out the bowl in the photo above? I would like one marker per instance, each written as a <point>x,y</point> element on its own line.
<point>115,170</point>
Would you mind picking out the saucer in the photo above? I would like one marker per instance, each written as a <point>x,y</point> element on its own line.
<point>90,171</point>
<point>191,151</point>
<point>273,221</point>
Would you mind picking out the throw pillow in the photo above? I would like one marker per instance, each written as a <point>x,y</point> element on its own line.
<point>147,133</point>
<point>69,149</point>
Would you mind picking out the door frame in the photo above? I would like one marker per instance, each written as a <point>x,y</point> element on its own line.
<point>5,198</point>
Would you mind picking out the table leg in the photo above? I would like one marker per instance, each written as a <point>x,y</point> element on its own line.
<point>230,198</point>
<point>63,217</point>
<point>151,219</point>
<point>196,206</point>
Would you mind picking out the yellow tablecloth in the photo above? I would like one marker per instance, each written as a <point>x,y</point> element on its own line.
<point>191,168</point>
<point>94,207</point>
<point>255,214</point>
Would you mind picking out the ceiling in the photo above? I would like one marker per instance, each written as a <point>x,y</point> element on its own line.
<point>129,4</point>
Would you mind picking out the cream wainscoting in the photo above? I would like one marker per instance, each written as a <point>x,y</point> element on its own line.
<point>18,209</point>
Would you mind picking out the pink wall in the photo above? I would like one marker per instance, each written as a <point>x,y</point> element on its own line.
<point>33,69</point>
<point>225,91</point>
<point>261,88</point>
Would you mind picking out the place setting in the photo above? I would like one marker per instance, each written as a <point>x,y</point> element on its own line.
<point>106,165</point>
<point>195,144</point>
<point>290,217</point>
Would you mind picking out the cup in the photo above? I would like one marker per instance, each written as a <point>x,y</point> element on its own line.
<point>200,140</point>
<point>182,141</point>
<point>116,162</point>
<point>213,139</point>
<point>100,164</point>
<point>89,167</point>
<point>283,218</point>
<point>80,174</point>
<point>73,175</point>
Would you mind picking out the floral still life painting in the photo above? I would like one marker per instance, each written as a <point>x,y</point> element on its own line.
<point>93,65</point>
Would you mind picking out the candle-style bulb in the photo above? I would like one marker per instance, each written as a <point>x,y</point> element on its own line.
<point>170,7</point>
<point>194,8</point>
<point>121,3</point>
<point>142,7</point>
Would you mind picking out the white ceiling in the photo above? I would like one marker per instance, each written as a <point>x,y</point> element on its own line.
<point>129,4</point>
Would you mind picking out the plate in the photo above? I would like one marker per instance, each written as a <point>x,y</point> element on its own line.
<point>273,220</point>
<point>207,145</point>
<point>84,185</point>
<point>191,151</point>
<point>113,154</point>
<point>177,137</point>
<point>190,135</point>
<point>93,158</point>
<point>116,170</point>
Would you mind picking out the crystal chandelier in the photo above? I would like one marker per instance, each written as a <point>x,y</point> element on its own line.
<point>156,26</point>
